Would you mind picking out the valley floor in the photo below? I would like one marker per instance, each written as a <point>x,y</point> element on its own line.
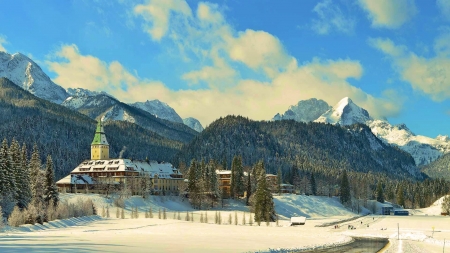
<point>173,235</point>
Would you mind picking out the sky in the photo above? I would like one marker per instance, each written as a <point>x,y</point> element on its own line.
<point>209,59</point>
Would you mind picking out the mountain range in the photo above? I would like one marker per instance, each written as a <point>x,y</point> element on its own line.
<point>161,119</point>
<point>106,108</point>
<point>423,149</point>
<point>25,73</point>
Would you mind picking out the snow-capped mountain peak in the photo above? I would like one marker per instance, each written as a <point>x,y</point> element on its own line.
<point>304,110</point>
<point>442,138</point>
<point>80,92</point>
<point>26,74</point>
<point>345,112</point>
<point>159,109</point>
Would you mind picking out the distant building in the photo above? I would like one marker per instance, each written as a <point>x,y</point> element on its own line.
<point>224,177</point>
<point>386,209</point>
<point>272,181</point>
<point>287,188</point>
<point>102,173</point>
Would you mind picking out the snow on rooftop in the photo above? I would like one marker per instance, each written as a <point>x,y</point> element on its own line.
<point>153,168</point>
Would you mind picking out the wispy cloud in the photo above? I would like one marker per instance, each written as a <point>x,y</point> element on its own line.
<point>332,18</point>
<point>387,13</point>
<point>428,75</point>
<point>158,12</point>
<point>2,42</point>
<point>444,8</point>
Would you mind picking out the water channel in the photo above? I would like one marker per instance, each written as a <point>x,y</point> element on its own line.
<point>359,245</point>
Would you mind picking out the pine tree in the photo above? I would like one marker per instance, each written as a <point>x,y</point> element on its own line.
<point>264,206</point>
<point>193,183</point>
<point>16,166</point>
<point>239,186</point>
<point>36,179</point>
<point>233,177</point>
<point>249,189</point>
<point>50,193</point>
<point>400,197</point>
<point>313,185</point>
<point>26,183</point>
<point>345,190</point>
<point>380,195</point>
<point>8,186</point>
<point>214,183</point>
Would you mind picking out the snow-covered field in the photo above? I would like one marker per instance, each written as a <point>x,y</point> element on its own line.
<point>91,234</point>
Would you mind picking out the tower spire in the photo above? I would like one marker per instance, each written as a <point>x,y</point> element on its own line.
<point>99,146</point>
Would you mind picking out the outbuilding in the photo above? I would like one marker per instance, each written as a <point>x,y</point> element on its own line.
<point>301,220</point>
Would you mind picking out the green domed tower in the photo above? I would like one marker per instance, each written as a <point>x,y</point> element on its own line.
<point>99,146</point>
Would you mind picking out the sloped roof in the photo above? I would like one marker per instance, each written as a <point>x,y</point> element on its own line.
<point>99,137</point>
<point>153,168</point>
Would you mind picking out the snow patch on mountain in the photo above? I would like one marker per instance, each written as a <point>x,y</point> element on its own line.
<point>74,102</point>
<point>193,123</point>
<point>304,110</point>
<point>159,109</point>
<point>423,149</point>
<point>80,92</point>
<point>26,74</point>
<point>345,113</point>
<point>118,113</point>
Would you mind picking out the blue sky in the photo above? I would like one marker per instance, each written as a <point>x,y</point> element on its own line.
<point>208,59</point>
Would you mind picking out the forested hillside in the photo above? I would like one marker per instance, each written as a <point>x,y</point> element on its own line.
<point>439,168</point>
<point>66,135</point>
<point>310,146</point>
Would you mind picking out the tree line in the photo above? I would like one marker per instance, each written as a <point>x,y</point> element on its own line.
<point>25,184</point>
<point>204,191</point>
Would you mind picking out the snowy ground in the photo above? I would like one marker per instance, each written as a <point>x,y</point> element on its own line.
<point>94,234</point>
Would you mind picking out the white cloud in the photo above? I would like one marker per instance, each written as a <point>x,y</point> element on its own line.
<point>428,75</point>
<point>2,42</point>
<point>255,99</point>
<point>220,53</point>
<point>259,50</point>
<point>209,13</point>
<point>85,71</point>
<point>388,13</point>
<point>158,12</point>
<point>444,8</point>
<point>331,18</point>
